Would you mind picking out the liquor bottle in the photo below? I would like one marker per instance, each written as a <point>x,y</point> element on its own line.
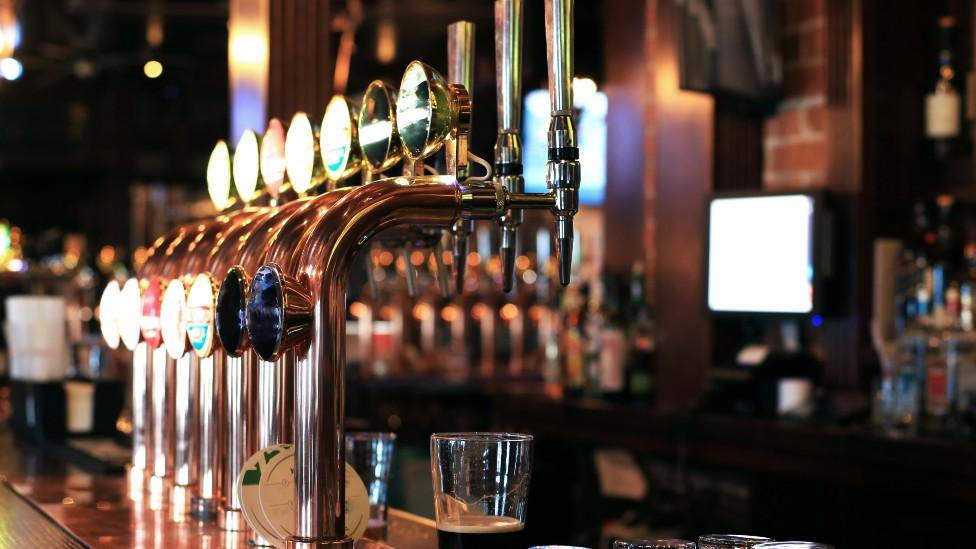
<point>640,362</point>
<point>572,342</point>
<point>943,109</point>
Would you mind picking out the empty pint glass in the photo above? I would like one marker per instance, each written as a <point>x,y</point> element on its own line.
<point>371,456</point>
<point>481,488</point>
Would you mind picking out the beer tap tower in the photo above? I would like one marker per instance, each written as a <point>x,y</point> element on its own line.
<point>307,313</point>
<point>291,314</point>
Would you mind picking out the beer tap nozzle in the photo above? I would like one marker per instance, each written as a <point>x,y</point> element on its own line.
<point>508,146</point>
<point>562,168</point>
<point>460,73</point>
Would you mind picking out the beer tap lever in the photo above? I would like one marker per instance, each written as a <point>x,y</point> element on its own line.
<point>508,146</point>
<point>562,168</point>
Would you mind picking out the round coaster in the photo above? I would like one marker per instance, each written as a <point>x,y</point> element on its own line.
<point>277,494</point>
<point>248,482</point>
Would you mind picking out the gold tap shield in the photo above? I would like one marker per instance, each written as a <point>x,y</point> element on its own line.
<point>379,138</point>
<point>423,110</point>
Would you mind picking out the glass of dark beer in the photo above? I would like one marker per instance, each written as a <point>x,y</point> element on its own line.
<point>481,487</point>
<point>371,456</point>
<point>650,543</point>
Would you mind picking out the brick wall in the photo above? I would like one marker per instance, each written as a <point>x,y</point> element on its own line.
<point>795,138</point>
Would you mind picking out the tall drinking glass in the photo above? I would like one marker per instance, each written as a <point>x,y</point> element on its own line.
<point>481,488</point>
<point>648,543</point>
<point>371,456</point>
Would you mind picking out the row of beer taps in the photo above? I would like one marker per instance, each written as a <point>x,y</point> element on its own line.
<point>238,323</point>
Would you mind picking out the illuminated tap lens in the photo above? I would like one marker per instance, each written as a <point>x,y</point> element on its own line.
<point>376,127</point>
<point>336,137</point>
<point>218,176</point>
<point>129,313</point>
<point>273,157</point>
<point>300,152</point>
<point>246,170</point>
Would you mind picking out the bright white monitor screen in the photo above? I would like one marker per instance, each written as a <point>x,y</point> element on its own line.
<point>760,254</point>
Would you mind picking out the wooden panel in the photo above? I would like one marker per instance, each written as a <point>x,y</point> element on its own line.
<point>301,58</point>
<point>682,178</point>
<point>626,89</point>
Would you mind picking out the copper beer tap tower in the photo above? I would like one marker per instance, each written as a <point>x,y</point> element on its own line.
<point>242,317</point>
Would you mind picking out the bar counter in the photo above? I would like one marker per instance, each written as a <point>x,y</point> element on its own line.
<point>47,502</point>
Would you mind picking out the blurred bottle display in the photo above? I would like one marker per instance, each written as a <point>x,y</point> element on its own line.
<point>640,366</point>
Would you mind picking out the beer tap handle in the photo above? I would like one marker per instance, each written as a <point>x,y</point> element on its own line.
<point>508,146</point>
<point>408,271</point>
<point>562,168</point>
<point>460,71</point>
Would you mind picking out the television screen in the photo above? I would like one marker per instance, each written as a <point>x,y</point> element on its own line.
<point>760,254</point>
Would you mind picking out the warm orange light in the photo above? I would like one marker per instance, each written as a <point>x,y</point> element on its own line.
<point>494,264</point>
<point>386,312</point>
<point>450,313</point>
<point>386,258</point>
<point>522,262</point>
<point>139,257</point>
<point>509,311</point>
<point>106,256</point>
<point>447,257</point>
<point>422,311</point>
<point>417,258</point>
<point>358,309</point>
<point>474,259</point>
<point>478,311</point>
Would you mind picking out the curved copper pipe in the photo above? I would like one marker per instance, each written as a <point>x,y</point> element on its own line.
<point>327,252</point>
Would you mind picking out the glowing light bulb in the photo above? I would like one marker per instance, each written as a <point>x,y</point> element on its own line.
<point>152,69</point>
<point>10,68</point>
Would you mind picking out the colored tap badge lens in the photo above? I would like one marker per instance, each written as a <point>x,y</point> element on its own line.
<point>172,319</point>
<point>273,157</point>
<point>246,171</point>
<point>130,313</point>
<point>108,314</point>
<point>300,152</point>
<point>229,316</point>
<point>265,314</point>
<point>200,312</point>
<point>149,322</point>
<point>335,139</point>
<point>218,176</point>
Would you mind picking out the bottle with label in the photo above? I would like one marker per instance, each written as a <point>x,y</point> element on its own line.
<point>943,106</point>
<point>640,362</point>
